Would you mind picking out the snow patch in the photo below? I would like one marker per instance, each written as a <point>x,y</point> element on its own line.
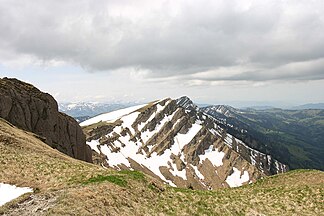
<point>214,132</point>
<point>146,135</point>
<point>159,108</point>
<point>198,173</point>
<point>253,161</point>
<point>215,156</point>
<point>10,192</point>
<point>128,120</point>
<point>235,179</point>
<point>183,139</point>
<point>114,158</point>
<point>171,183</point>
<point>229,140</point>
<point>111,116</point>
<point>71,106</point>
<point>94,145</point>
<point>269,159</point>
<point>176,172</point>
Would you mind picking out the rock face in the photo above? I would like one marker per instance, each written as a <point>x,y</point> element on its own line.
<point>174,142</point>
<point>28,108</point>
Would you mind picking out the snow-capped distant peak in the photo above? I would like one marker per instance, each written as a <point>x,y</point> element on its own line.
<point>111,116</point>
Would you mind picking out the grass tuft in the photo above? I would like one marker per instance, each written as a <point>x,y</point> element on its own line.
<point>136,175</point>
<point>115,179</point>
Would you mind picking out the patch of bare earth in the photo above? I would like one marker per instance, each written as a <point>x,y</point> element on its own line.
<point>35,204</point>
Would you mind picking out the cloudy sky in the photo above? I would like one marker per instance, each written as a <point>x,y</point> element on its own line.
<point>214,51</point>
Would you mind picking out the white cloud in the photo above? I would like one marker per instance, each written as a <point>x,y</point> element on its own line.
<point>202,42</point>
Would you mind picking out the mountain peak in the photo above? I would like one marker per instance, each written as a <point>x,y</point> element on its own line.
<point>186,103</point>
<point>226,110</point>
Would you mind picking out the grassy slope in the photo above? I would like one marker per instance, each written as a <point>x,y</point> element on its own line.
<point>66,186</point>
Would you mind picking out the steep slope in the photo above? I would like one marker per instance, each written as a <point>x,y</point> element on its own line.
<point>65,186</point>
<point>28,108</point>
<point>178,145</point>
<point>294,137</point>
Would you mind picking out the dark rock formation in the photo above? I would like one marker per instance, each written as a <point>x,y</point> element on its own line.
<point>28,108</point>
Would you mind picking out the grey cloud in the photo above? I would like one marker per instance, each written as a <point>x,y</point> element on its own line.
<point>308,70</point>
<point>168,38</point>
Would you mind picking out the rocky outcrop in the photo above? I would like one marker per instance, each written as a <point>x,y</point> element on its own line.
<point>28,108</point>
<point>186,103</point>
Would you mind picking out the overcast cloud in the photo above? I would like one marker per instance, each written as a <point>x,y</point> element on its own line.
<point>199,41</point>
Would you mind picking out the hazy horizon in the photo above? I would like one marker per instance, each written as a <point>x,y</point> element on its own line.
<point>240,53</point>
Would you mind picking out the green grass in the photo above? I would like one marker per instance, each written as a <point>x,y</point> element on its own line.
<point>116,179</point>
<point>136,175</point>
<point>119,179</point>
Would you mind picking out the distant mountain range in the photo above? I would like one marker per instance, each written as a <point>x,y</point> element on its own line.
<point>259,107</point>
<point>294,137</point>
<point>84,110</point>
<point>309,106</point>
<point>299,107</point>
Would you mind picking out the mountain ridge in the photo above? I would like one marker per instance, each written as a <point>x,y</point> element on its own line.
<point>90,108</point>
<point>309,106</point>
<point>183,137</point>
<point>293,136</point>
